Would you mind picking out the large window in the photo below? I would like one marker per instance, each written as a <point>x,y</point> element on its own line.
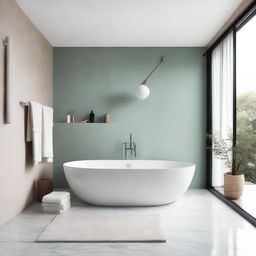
<point>232,107</point>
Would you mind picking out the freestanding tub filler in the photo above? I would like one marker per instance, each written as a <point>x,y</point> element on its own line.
<point>129,182</point>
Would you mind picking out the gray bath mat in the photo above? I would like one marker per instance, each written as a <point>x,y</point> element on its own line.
<point>97,228</point>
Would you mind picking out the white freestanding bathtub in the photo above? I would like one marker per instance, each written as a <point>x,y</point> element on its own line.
<point>129,182</point>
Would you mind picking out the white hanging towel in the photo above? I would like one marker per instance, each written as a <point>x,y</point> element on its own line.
<point>34,129</point>
<point>47,146</point>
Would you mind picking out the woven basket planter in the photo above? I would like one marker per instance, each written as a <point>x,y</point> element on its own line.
<point>233,185</point>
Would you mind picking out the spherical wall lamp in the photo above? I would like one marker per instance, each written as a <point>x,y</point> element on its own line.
<point>142,91</point>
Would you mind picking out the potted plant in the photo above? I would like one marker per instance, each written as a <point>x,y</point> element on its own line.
<point>235,159</point>
<point>241,158</point>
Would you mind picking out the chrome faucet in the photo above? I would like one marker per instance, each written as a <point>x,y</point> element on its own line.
<point>129,146</point>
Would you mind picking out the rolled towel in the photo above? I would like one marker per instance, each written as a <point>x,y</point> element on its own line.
<point>56,197</point>
<point>56,206</point>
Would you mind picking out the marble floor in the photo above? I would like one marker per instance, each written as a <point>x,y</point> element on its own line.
<point>247,200</point>
<point>198,224</point>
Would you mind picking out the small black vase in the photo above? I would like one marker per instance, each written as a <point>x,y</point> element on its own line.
<point>92,117</point>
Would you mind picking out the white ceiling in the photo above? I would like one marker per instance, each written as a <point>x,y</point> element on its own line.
<point>128,22</point>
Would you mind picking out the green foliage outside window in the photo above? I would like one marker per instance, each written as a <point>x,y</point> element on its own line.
<point>240,158</point>
<point>246,133</point>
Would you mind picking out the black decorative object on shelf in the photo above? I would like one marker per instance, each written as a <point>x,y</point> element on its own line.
<point>92,117</point>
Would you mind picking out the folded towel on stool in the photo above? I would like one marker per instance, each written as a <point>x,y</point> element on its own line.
<point>58,207</point>
<point>56,202</point>
<point>56,197</point>
<point>55,209</point>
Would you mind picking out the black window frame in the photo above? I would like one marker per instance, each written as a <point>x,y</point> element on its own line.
<point>239,22</point>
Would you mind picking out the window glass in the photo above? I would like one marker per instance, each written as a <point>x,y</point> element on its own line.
<point>246,93</point>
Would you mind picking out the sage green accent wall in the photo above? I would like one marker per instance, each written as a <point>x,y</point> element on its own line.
<point>169,125</point>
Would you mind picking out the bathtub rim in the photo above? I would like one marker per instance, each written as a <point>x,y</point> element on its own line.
<point>186,165</point>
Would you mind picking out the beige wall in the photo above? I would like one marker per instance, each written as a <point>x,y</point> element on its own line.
<point>235,14</point>
<point>31,79</point>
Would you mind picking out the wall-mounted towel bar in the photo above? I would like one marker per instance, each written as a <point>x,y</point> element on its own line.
<point>22,103</point>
